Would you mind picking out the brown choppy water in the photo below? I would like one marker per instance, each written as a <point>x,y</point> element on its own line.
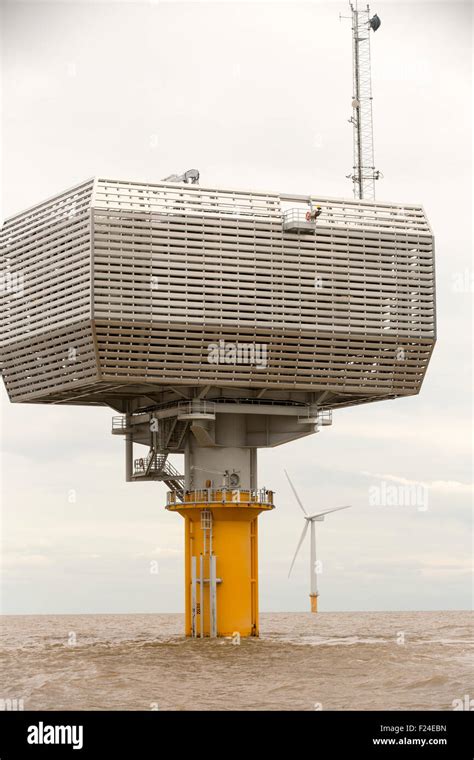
<point>342,661</point>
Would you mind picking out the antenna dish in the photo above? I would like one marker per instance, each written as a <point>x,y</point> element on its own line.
<point>375,22</point>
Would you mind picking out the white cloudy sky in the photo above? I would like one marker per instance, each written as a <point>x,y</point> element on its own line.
<point>254,95</point>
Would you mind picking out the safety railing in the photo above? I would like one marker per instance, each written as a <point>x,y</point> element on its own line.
<point>196,407</point>
<point>119,424</point>
<point>224,496</point>
<point>325,417</point>
<point>160,466</point>
<point>298,220</point>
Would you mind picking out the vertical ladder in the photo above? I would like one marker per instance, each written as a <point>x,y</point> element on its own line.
<point>207,557</point>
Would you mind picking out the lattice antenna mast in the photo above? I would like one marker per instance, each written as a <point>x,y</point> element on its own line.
<point>364,172</point>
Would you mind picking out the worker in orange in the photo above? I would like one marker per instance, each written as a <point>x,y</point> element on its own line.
<point>312,215</point>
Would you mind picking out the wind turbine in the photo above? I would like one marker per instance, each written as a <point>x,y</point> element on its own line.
<point>310,520</point>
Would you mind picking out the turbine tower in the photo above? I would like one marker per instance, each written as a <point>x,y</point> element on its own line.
<point>364,171</point>
<point>310,520</point>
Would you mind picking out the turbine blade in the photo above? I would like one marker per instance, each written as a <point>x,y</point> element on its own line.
<point>294,491</point>
<point>328,511</point>
<point>299,545</point>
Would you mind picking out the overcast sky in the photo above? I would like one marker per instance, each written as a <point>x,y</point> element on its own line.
<point>255,95</point>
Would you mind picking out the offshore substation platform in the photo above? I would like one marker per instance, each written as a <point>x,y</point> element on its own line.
<point>214,322</point>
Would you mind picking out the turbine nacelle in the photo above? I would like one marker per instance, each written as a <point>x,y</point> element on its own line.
<point>319,516</point>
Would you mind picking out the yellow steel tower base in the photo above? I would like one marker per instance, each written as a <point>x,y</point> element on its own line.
<point>221,560</point>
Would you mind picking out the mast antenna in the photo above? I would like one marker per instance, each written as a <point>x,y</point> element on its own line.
<point>364,172</point>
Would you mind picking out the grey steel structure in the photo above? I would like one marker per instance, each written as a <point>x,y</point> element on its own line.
<point>139,279</point>
<point>215,322</point>
<point>213,318</point>
<point>364,171</point>
<point>115,293</point>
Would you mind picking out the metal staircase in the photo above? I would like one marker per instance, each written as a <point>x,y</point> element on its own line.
<point>156,467</point>
<point>176,433</point>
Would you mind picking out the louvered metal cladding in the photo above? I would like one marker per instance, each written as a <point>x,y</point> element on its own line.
<point>114,286</point>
